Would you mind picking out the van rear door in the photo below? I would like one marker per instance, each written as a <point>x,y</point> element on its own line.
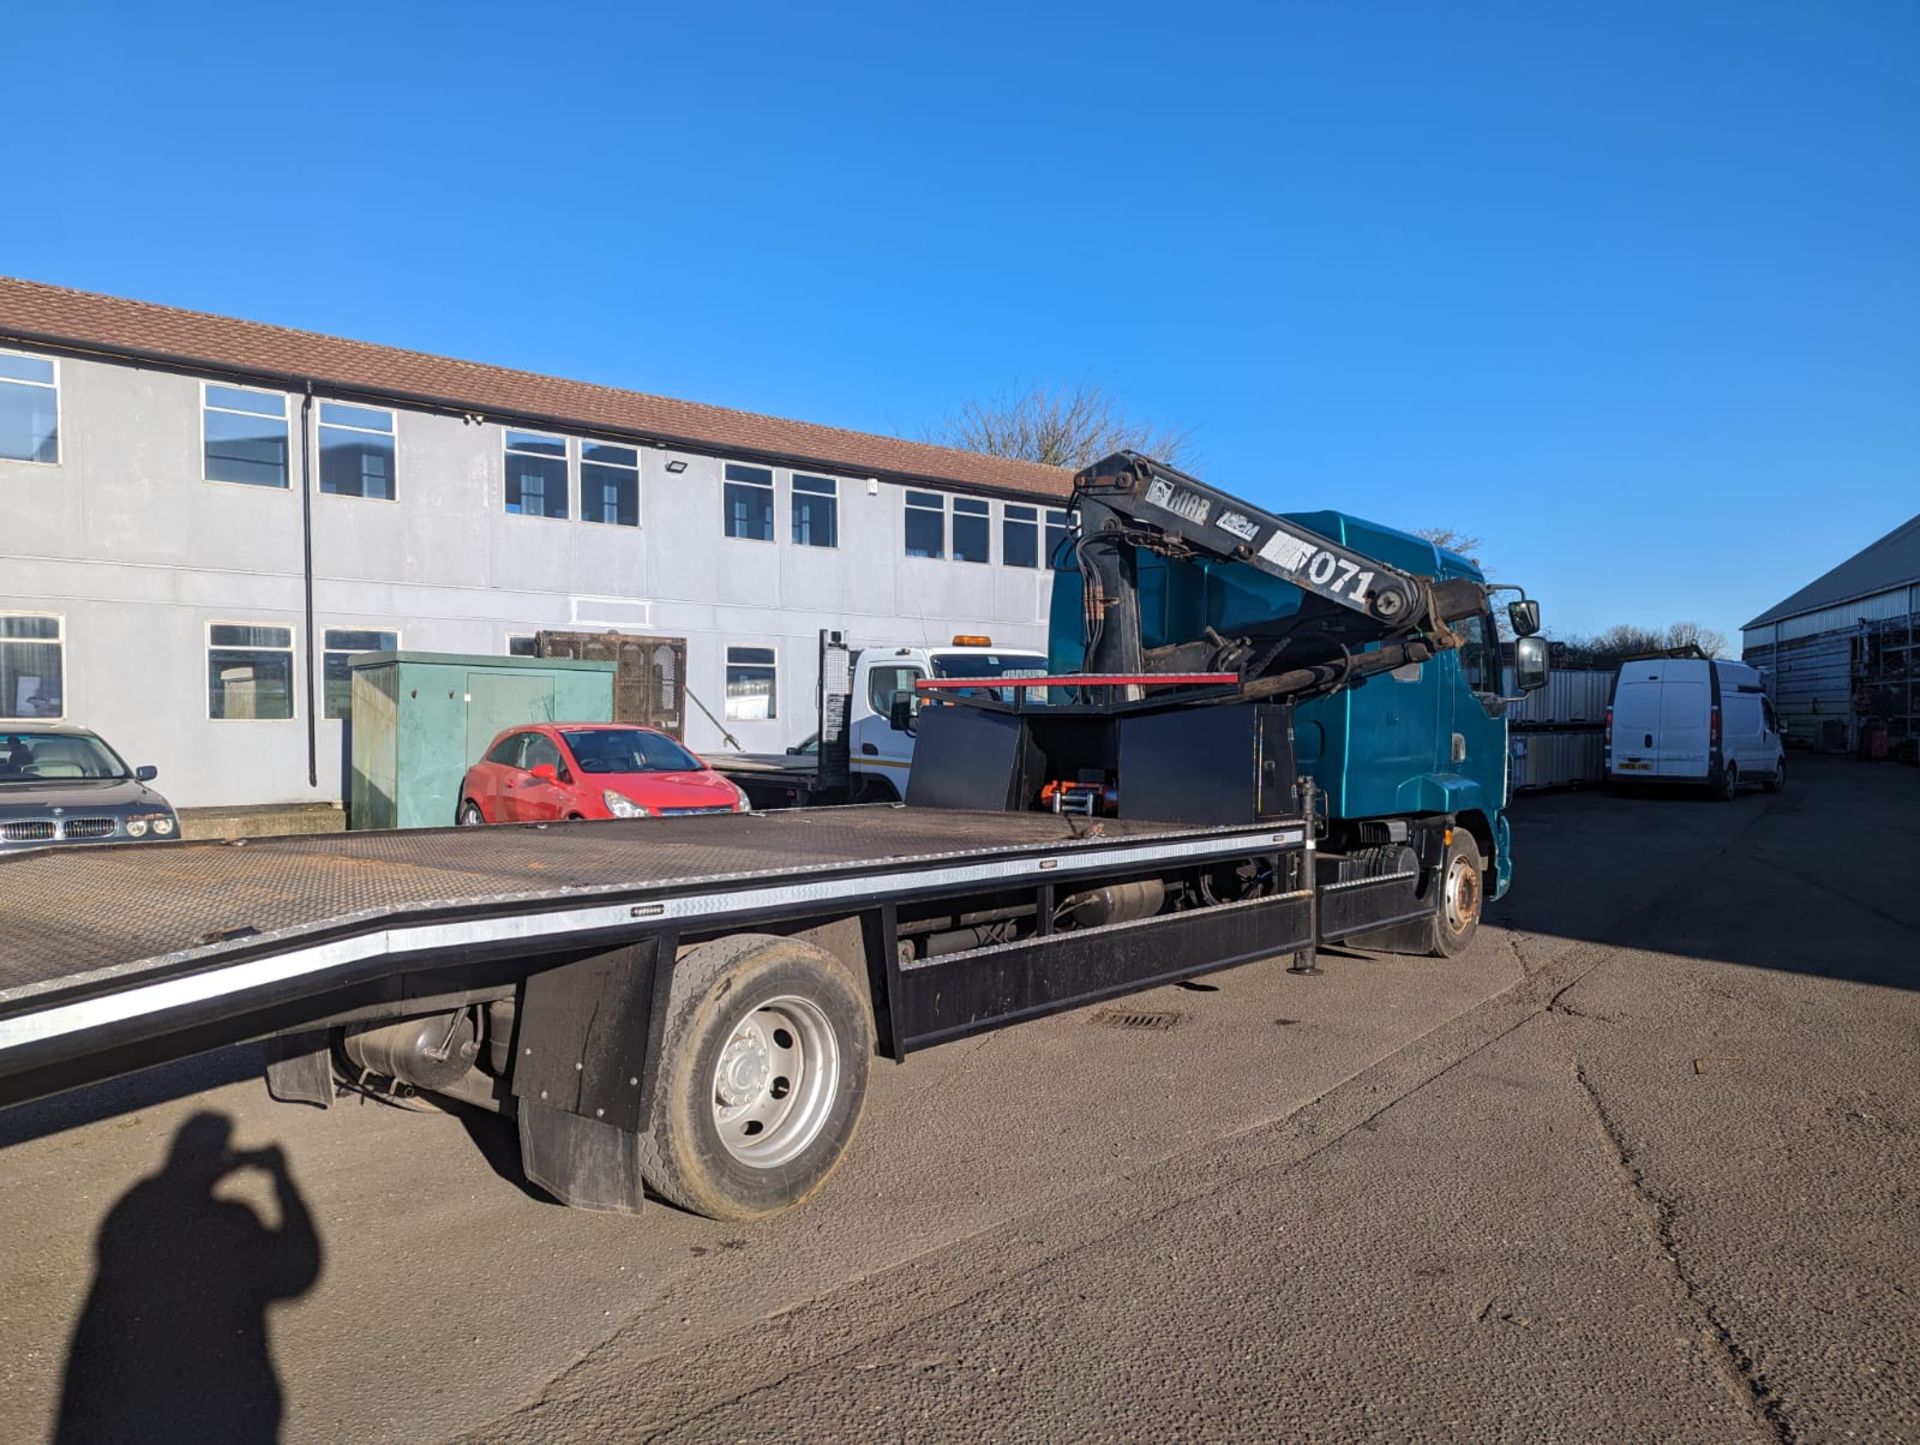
<point>1685,726</point>
<point>1636,723</point>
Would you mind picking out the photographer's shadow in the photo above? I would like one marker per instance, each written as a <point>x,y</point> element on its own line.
<point>173,1341</point>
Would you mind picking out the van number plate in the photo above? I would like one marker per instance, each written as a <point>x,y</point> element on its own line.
<point>1635,765</point>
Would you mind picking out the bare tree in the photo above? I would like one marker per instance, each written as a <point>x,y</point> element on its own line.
<point>1062,426</point>
<point>1623,640</point>
<point>1450,540</point>
<point>1685,634</point>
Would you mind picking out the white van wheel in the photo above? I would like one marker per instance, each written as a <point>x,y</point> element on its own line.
<point>1729,784</point>
<point>1779,779</point>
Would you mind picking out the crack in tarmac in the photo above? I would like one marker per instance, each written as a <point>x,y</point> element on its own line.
<point>1737,1366</point>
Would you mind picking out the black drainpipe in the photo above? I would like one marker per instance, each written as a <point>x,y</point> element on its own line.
<point>306,569</point>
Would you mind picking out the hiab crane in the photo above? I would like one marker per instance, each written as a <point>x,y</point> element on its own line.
<point>1259,733</point>
<point>1347,657</point>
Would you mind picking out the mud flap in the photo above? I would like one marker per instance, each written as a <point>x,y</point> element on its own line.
<point>299,1070</point>
<point>581,1162</point>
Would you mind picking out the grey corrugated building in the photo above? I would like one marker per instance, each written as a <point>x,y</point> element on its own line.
<point>1841,652</point>
<point>202,513</point>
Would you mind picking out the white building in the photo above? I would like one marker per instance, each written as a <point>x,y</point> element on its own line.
<point>205,517</point>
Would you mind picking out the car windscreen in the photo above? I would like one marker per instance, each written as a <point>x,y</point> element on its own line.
<point>993,664</point>
<point>628,750</point>
<point>40,757</point>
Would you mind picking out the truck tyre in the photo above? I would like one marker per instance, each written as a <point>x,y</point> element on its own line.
<point>1729,784</point>
<point>1779,779</point>
<point>876,790</point>
<point>761,1077</point>
<point>1457,918</point>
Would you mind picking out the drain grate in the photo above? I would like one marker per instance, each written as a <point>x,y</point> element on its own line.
<point>1162,1020</point>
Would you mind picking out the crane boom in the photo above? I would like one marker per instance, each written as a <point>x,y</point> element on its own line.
<point>1141,490</point>
<point>1128,501</point>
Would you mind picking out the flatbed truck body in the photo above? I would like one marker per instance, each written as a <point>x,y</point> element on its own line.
<point>687,1006</point>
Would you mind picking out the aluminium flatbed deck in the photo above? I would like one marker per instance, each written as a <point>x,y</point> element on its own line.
<point>102,947</point>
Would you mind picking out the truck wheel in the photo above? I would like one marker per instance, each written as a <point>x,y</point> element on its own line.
<point>1779,779</point>
<point>1458,917</point>
<point>762,1076</point>
<point>1729,784</point>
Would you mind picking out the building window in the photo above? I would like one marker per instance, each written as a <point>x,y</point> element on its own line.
<point>536,475</point>
<point>816,511</point>
<point>33,667</point>
<point>609,484</point>
<point>1020,535</point>
<point>926,524</point>
<point>522,644</point>
<point>249,671</point>
<point>1058,524</point>
<point>341,643</point>
<point>751,674</point>
<point>972,530</point>
<point>356,451</point>
<point>749,502</point>
<point>29,408</point>
<point>245,435</point>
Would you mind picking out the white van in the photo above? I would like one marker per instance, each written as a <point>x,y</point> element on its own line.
<point>1690,720</point>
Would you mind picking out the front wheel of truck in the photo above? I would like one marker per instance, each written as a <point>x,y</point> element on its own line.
<point>762,1076</point>
<point>1457,918</point>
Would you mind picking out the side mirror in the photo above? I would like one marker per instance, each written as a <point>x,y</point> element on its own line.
<point>900,718</point>
<point>545,772</point>
<point>1524,617</point>
<point>1530,663</point>
<point>145,773</point>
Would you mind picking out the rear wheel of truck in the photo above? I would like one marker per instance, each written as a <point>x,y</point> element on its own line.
<point>1458,917</point>
<point>762,1076</point>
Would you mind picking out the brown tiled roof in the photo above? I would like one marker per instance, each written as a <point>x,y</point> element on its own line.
<point>30,311</point>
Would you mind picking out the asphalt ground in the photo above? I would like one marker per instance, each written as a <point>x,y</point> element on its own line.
<point>1643,1164</point>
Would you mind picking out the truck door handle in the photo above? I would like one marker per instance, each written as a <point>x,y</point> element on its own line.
<point>1649,742</point>
<point>869,750</point>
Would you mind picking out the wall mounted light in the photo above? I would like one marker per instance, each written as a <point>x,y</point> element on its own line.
<point>678,464</point>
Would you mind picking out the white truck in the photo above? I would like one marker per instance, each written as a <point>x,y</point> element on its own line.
<point>867,756</point>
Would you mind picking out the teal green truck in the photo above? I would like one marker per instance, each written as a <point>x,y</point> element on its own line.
<point>1397,712</point>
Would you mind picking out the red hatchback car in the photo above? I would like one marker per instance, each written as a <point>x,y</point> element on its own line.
<point>544,772</point>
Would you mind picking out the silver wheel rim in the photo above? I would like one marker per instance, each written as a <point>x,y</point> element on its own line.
<point>1463,894</point>
<point>775,1081</point>
<point>470,817</point>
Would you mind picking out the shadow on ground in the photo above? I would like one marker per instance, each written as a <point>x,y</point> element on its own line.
<point>173,1341</point>
<point>1814,880</point>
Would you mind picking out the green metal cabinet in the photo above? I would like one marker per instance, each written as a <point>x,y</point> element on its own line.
<point>421,719</point>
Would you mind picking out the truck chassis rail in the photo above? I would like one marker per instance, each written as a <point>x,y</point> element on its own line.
<point>119,957</point>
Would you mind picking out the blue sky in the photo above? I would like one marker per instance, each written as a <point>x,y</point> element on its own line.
<point>1630,291</point>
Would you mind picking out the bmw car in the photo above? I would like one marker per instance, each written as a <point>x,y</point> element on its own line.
<point>63,784</point>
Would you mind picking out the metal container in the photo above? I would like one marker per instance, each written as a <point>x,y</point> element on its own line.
<point>1565,759</point>
<point>1572,695</point>
<point>421,719</point>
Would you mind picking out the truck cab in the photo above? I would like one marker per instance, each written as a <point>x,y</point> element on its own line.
<point>881,680</point>
<point>886,675</point>
<point>1421,742</point>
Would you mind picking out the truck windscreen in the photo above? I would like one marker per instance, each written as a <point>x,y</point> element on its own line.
<point>993,664</point>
